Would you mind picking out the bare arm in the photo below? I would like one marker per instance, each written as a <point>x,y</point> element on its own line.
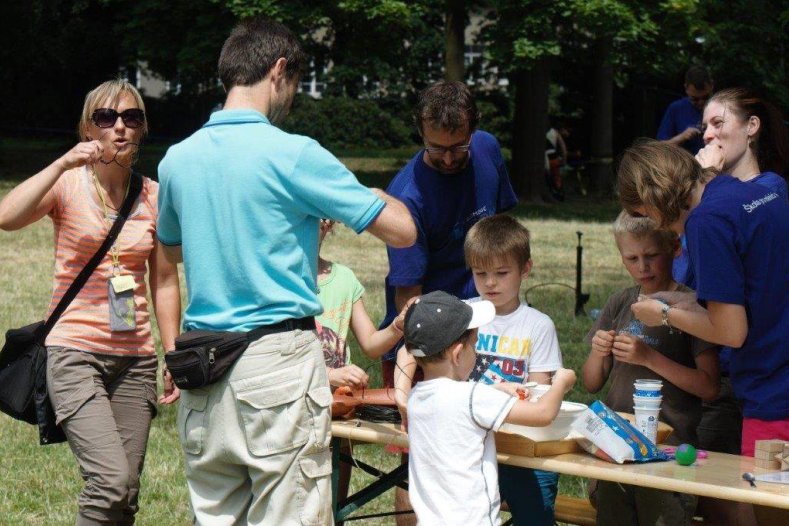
<point>702,381</point>
<point>32,199</point>
<point>173,253</point>
<point>685,135</point>
<point>394,225</point>
<point>166,297</point>
<point>721,323</point>
<point>374,343</point>
<point>543,411</point>
<point>543,378</point>
<point>405,368</point>
<point>598,364</point>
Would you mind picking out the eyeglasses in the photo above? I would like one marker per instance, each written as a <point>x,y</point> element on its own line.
<point>107,117</point>
<point>440,151</point>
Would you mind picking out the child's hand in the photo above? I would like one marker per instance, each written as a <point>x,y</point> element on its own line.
<point>513,389</point>
<point>648,311</point>
<point>350,375</point>
<point>399,322</point>
<point>603,342</point>
<point>630,349</point>
<point>564,379</point>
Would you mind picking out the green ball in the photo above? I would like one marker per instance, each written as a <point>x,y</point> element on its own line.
<point>686,455</point>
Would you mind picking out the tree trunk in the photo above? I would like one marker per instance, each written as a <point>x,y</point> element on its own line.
<point>528,133</point>
<point>455,40</point>
<point>601,161</point>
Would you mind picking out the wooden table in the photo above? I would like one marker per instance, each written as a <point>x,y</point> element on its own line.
<point>719,475</point>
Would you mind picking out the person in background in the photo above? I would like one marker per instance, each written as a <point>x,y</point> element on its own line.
<point>101,361</point>
<point>681,123</point>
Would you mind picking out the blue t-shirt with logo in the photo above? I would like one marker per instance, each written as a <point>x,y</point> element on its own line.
<point>444,208</point>
<point>244,199</point>
<point>681,115</point>
<point>738,241</point>
<point>683,269</point>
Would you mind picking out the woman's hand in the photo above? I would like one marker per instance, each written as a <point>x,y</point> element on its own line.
<point>83,153</point>
<point>648,311</point>
<point>630,349</point>
<point>171,392</point>
<point>712,156</point>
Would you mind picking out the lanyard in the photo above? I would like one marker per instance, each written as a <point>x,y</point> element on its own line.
<point>114,251</point>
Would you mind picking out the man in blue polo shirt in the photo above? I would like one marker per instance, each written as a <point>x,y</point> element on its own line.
<point>681,124</point>
<point>241,201</point>
<point>456,180</point>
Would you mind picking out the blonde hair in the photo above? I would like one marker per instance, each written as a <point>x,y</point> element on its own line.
<point>643,227</point>
<point>659,176</point>
<point>107,91</point>
<point>497,238</point>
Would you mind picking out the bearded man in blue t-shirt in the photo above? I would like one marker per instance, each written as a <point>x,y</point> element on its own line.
<point>458,178</point>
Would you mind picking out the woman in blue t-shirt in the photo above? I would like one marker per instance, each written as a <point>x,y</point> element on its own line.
<point>745,137</point>
<point>738,241</point>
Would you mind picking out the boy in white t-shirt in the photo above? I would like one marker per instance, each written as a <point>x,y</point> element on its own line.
<point>452,464</point>
<point>519,345</point>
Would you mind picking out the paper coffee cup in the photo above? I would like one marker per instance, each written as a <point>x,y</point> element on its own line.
<point>647,421</point>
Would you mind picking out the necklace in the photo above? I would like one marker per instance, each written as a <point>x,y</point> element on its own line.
<point>114,251</point>
<point>100,191</point>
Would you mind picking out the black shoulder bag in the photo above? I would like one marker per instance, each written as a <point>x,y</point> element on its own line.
<point>23,360</point>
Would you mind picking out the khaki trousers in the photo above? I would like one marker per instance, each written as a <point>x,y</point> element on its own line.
<point>105,405</point>
<point>256,443</point>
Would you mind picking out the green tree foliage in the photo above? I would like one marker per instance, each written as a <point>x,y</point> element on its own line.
<point>746,43</point>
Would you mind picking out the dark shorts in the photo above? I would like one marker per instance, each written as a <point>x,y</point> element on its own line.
<point>720,428</point>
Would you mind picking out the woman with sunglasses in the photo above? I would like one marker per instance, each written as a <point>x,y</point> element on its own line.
<point>101,366</point>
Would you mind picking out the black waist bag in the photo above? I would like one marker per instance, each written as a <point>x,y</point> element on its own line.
<point>202,357</point>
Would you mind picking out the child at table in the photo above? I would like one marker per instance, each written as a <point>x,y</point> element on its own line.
<point>340,294</point>
<point>624,349</point>
<point>520,344</point>
<point>452,466</point>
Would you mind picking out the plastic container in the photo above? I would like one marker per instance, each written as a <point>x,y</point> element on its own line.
<point>536,391</point>
<point>557,430</point>
<point>648,402</point>
<point>648,388</point>
<point>647,421</point>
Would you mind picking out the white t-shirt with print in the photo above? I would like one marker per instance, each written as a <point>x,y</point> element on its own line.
<point>514,345</point>
<point>452,469</point>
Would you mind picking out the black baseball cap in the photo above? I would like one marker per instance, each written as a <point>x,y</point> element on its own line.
<point>437,320</point>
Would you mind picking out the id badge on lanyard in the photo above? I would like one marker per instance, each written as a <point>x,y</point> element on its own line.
<point>120,293</point>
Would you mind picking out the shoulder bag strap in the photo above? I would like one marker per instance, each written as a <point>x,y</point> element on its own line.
<point>135,187</point>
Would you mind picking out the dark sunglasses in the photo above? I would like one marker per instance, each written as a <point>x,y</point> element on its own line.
<point>107,117</point>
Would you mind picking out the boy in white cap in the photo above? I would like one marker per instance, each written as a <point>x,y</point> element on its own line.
<point>452,465</point>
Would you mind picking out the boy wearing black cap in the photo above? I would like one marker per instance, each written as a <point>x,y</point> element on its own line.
<point>452,463</point>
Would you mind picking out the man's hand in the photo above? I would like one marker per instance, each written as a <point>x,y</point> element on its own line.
<point>171,392</point>
<point>691,132</point>
<point>630,349</point>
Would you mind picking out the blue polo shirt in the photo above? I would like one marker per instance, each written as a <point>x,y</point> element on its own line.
<point>444,208</point>
<point>681,115</point>
<point>244,199</point>
<point>738,240</point>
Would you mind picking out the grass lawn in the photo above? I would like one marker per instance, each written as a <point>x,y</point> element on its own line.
<point>40,484</point>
